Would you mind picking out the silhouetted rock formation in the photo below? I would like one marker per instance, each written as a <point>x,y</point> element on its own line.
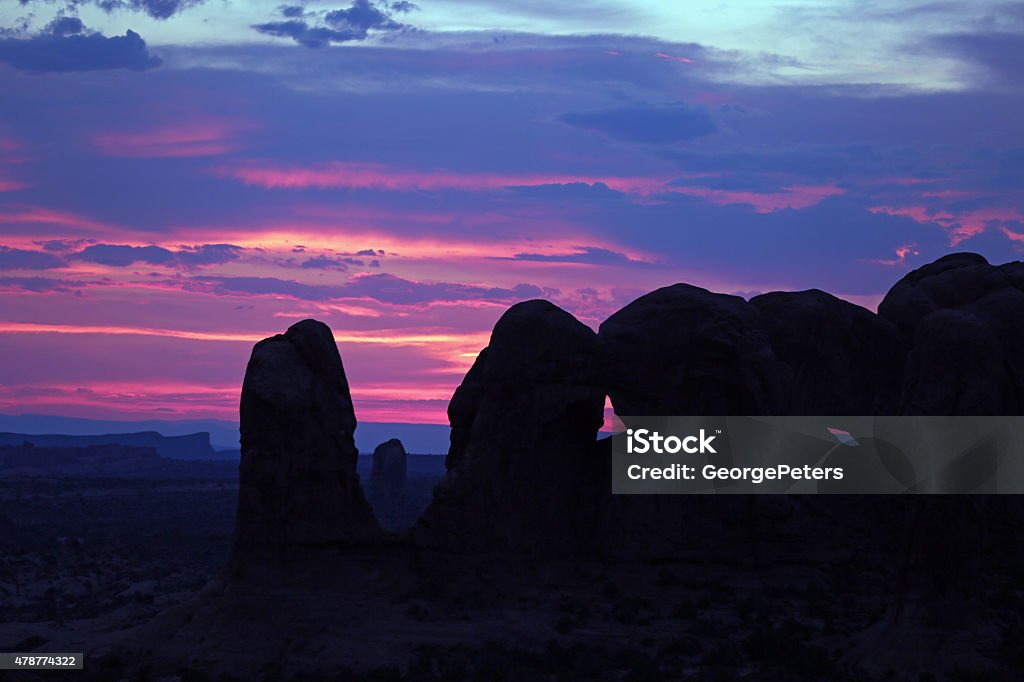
<point>389,465</point>
<point>298,486</point>
<point>839,358</point>
<point>387,483</point>
<point>524,422</point>
<point>911,587</point>
<point>684,350</point>
<point>965,321</point>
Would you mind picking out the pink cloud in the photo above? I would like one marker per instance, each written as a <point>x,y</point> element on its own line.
<point>210,137</point>
<point>9,156</point>
<point>356,175</point>
<point>903,181</point>
<point>1013,236</point>
<point>952,194</point>
<point>794,197</point>
<point>35,219</point>
<point>901,255</point>
<point>960,225</point>
<point>140,400</point>
<point>149,400</point>
<point>672,57</point>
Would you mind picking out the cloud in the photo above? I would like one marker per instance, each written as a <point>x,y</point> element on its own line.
<point>304,34</point>
<point>375,176</point>
<point>208,254</point>
<point>18,259</point>
<point>361,16</point>
<point>585,255</point>
<point>328,263</point>
<point>157,9</point>
<point>383,288</point>
<point>60,52</point>
<point>37,285</point>
<point>120,255</point>
<point>207,137</point>
<point>65,26</point>
<point>998,53</point>
<point>646,124</point>
<point>62,244</point>
<point>317,30</point>
<point>396,290</point>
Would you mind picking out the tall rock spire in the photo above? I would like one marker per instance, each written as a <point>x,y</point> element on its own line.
<point>298,486</point>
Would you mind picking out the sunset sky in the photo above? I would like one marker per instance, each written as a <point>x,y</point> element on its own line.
<point>181,178</point>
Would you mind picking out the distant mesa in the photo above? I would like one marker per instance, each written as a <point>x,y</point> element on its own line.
<point>106,460</point>
<point>29,460</point>
<point>192,446</point>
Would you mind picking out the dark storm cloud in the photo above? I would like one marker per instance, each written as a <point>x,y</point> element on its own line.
<point>646,124</point>
<point>19,259</point>
<point>383,288</point>
<point>121,255</point>
<point>315,30</point>
<point>56,51</point>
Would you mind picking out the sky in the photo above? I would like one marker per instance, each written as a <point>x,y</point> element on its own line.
<point>181,178</point>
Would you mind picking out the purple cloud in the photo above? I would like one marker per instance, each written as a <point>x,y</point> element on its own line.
<point>20,259</point>
<point>58,52</point>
